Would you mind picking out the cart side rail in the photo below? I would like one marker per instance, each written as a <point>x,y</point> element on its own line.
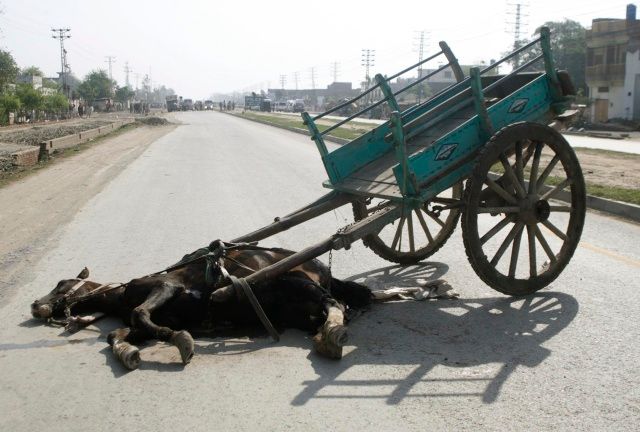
<point>354,155</point>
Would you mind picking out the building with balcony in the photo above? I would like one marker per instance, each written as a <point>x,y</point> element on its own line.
<point>613,67</point>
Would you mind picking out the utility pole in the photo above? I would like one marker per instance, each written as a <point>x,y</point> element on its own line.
<point>368,60</point>
<point>313,78</point>
<point>62,35</point>
<point>422,35</point>
<point>126,71</point>
<point>137,75</point>
<point>296,75</point>
<point>335,70</point>
<point>283,80</point>
<point>110,60</point>
<point>518,26</point>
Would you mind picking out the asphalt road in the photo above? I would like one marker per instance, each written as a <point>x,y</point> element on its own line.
<point>564,359</point>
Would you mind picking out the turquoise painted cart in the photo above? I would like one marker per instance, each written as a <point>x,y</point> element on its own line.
<point>485,149</point>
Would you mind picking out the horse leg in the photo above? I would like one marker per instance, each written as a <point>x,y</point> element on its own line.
<point>128,354</point>
<point>141,319</point>
<point>332,335</point>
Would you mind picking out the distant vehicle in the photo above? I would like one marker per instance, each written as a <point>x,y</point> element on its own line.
<point>187,105</point>
<point>265,105</point>
<point>257,103</point>
<point>298,106</point>
<point>198,106</point>
<point>208,105</point>
<point>172,103</point>
<point>280,106</point>
<point>103,104</point>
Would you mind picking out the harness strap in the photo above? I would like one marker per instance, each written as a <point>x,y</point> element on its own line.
<point>240,284</point>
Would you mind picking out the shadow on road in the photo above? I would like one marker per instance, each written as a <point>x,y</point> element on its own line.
<point>419,336</point>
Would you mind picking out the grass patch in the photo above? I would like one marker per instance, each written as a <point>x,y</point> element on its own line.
<point>608,153</point>
<point>354,131</point>
<point>19,173</point>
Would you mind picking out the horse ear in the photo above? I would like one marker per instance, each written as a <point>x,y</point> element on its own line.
<point>83,274</point>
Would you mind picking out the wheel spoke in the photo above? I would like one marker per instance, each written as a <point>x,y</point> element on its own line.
<point>500,191</point>
<point>528,153</point>
<point>498,209</point>
<point>564,209</point>
<point>505,244</point>
<point>533,271</point>
<point>554,230</point>
<point>435,218</point>
<point>547,171</point>
<point>508,169</point>
<point>534,168</point>
<point>424,225</point>
<point>519,163</point>
<point>515,251</point>
<point>545,245</point>
<point>396,238</point>
<point>412,245</point>
<point>496,229</point>
<point>550,194</point>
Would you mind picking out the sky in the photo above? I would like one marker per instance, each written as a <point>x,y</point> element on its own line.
<point>199,47</point>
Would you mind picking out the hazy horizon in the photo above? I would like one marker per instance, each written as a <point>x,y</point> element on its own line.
<point>199,48</point>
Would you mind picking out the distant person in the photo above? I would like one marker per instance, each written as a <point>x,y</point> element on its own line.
<point>80,110</point>
<point>89,110</point>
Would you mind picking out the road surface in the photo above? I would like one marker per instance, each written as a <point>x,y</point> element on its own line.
<point>565,359</point>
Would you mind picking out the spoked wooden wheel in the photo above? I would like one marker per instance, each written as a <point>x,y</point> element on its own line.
<point>416,235</point>
<point>517,239</point>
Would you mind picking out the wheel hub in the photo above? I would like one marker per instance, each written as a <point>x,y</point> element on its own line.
<point>534,210</point>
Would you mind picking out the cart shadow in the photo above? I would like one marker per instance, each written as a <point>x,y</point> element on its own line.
<point>416,337</point>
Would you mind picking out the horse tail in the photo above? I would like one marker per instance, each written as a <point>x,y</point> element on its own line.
<point>353,294</point>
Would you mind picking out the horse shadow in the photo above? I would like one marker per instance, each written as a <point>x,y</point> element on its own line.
<point>420,336</point>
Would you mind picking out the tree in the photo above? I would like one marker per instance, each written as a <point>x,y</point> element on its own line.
<point>96,85</point>
<point>8,69</point>
<point>30,98</point>
<point>32,71</point>
<point>8,103</point>
<point>123,94</point>
<point>56,103</point>
<point>568,46</point>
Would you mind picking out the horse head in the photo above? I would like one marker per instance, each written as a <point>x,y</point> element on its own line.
<point>53,304</point>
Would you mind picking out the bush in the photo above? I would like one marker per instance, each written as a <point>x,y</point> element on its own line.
<point>56,103</point>
<point>8,103</point>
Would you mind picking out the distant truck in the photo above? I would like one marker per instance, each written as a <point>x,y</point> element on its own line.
<point>172,103</point>
<point>208,105</point>
<point>198,106</point>
<point>257,103</point>
<point>187,105</point>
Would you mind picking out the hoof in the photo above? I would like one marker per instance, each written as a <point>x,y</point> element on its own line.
<point>336,335</point>
<point>184,342</point>
<point>325,348</point>
<point>128,355</point>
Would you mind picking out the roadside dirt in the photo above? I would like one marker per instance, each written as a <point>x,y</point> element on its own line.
<point>32,210</point>
<point>610,168</point>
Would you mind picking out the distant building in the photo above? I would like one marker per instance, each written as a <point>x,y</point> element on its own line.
<point>613,67</point>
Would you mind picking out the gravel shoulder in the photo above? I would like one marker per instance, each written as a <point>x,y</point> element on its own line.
<point>35,207</point>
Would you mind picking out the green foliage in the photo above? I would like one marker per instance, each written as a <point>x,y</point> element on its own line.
<point>8,69</point>
<point>33,71</point>
<point>568,46</point>
<point>96,85</point>
<point>56,103</point>
<point>30,98</point>
<point>8,103</point>
<point>123,94</point>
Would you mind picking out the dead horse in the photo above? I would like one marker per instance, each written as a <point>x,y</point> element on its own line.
<point>168,304</point>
